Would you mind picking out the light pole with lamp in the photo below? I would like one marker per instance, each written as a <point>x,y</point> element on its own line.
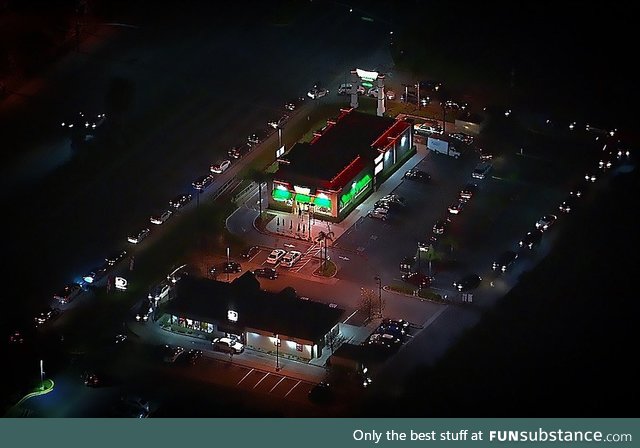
<point>379,281</point>
<point>279,137</point>
<point>312,207</point>
<point>277,343</point>
<point>228,268</point>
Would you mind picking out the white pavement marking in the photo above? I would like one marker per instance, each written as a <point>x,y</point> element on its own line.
<point>434,317</point>
<point>281,380</point>
<point>294,386</point>
<point>261,380</point>
<point>350,316</point>
<point>248,373</point>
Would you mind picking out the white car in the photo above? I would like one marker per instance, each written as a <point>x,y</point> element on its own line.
<point>378,213</point>
<point>220,167</point>
<point>545,222</point>
<point>457,207</point>
<point>137,237</point>
<point>317,92</point>
<point>227,345</point>
<point>291,258</point>
<point>161,218</point>
<point>275,256</point>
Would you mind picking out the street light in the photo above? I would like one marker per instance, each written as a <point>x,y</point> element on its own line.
<point>277,342</point>
<point>379,280</point>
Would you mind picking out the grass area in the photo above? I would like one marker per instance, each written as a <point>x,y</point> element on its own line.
<point>402,288</point>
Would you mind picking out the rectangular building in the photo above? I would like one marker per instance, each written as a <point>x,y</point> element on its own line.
<point>342,164</point>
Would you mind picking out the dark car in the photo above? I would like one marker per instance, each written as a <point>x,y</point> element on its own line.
<point>96,274</point>
<point>395,328</point>
<point>258,136</point>
<point>568,204</point>
<point>440,226</point>
<point>116,258</point>
<point>468,282</point>
<point>231,267</point>
<point>504,261</point>
<point>192,356</point>
<point>417,175</point>
<point>321,393</point>
<point>269,273</point>
<point>468,191</point>
<point>250,252</point>
<point>398,322</point>
<point>92,379</point>
<point>417,279</point>
<point>531,239</point>
<point>237,152</point>
<point>202,182</point>
<point>406,265</point>
<point>294,103</point>
<point>180,201</point>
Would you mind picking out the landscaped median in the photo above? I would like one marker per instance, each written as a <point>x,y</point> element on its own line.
<point>424,293</point>
<point>44,387</point>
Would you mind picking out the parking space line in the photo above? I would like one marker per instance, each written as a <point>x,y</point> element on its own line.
<point>248,373</point>
<point>350,316</point>
<point>261,380</point>
<point>294,386</point>
<point>281,380</point>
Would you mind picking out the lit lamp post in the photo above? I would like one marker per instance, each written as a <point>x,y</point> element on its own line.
<point>277,343</point>
<point>227,269</point>
<point>379,280</point>
<point>279,137</point>
<point>41,373</point>
<point>311,209</point>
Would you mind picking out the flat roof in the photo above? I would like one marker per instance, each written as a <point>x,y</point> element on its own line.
<point>319,163</point>
<point>281,313</point>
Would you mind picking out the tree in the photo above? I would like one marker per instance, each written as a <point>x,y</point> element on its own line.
<point>322,239</point>
<point>370,303</point>
<point>431,254</point>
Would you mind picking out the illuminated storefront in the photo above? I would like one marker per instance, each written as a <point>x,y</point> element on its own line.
<point>206,308</point>
<point>334,172</point>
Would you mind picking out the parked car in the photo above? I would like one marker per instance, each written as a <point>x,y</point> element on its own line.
<point>237,152</point>
<point>161,218</point>
<point>468,190</point>
<point>202,182</point>
<point>464,138</point>
<point>137,237</point>
<point>144,311</point>
<point>290,258</point>
<point>398,322</point>
<point>231,267</point>
<point>91,379</point>
<point>531,239</point>
<point>321,393</point>
<point>394,198</point>
<point>115,258</point>
<point>46,316</point>
<point>590,177</point>
<point>378,213</point>
<point>171,354</point>
<point>192,356</point>
<point>417,175</point>
<point>180,201</point>
<point>227,345</point>
<point>269,273</point>
<point>481,170</point>
<point>440,226</point>
<point>317,92</point>
<point>457,207</point>
<point>275,256</point>
<point>468,282</point>
<point>250,252</point>
<point>279,122</point>
<point>568,204</point>
<point>428,128</point>
<point>159,292</point>
<point>545,222</point>
<point>505,260</point>
<point>385,340</point>
<point>68,293</point>
<point>417,279</point>
<point>220,167</point>
<point>258,136</point>
<point>96,273</point>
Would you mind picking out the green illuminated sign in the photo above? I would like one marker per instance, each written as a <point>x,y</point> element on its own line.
<point>303,198</point>
<point>281,195</point>
<point>356,188</point>
<point>322,202</point>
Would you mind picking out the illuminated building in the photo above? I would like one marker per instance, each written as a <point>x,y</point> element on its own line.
<point>344,162</point>
<point>259,319</point>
